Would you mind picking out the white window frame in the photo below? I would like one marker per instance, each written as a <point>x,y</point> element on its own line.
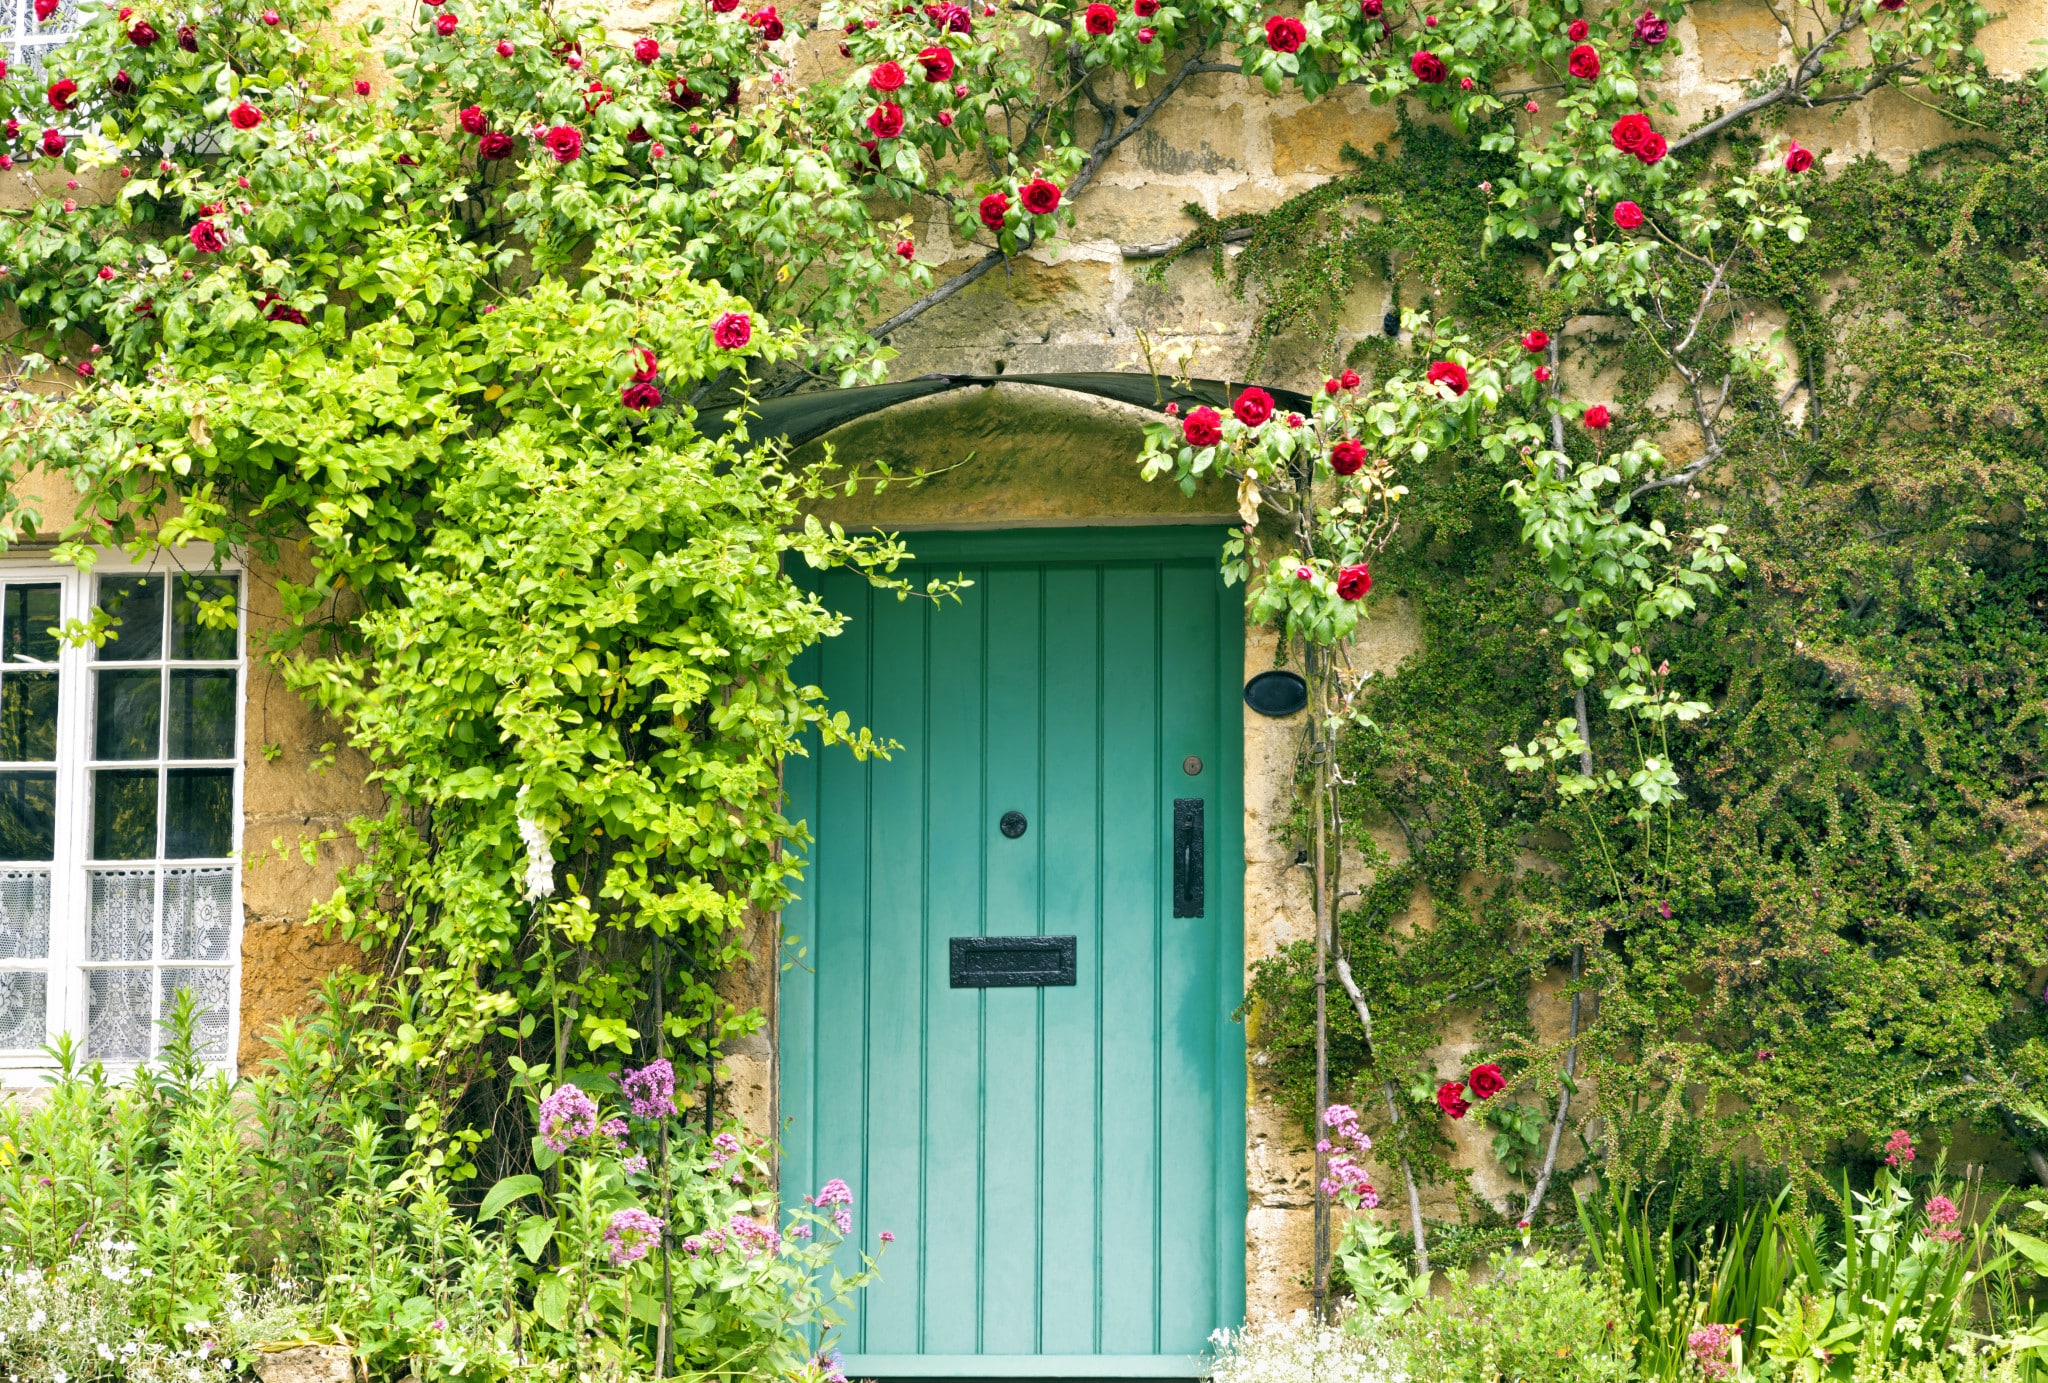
<point>29,45</point>
<point>70,872</point>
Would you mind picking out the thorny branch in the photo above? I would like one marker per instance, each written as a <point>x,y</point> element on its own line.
<point>1803,75</point>
<point>1344,977</point>
<point>1105,144</point>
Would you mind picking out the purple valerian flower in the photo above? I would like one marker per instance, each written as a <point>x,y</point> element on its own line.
<point>693,1246</point>
<point>724,1149</point>
<point>565,1116</point>
<point>1709,1348</point>
<point>1345,1176</point>
<point>631,1234</point>
<point>613,1129</point>
<point>839,1195</point>
<point>887,1237</point>
<point>799,1231</point>
<point>751,1235</point>
<point>652,1089</point>
<point>634,1165</point>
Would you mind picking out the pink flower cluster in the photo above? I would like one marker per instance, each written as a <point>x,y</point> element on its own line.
<point>839,1195</point>
<point>1344,1176</point>
<point>631,1234</point>
<point>1709,1347</point>
<point>1898,1149</point>
<point>652,1089</point>
<point>1941,1218</point>
<point>566,1116</point>
<point>752,1237</point>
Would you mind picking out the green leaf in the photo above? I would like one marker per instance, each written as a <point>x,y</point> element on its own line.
<point>504,1193</point>
<point>533,1235</point>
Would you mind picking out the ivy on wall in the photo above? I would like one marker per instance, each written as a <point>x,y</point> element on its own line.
<point>1838,933</point>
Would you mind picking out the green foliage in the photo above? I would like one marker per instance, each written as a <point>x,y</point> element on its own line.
<point>181,1221</point>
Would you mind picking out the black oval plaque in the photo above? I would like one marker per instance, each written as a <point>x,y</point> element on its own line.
<point>1276,693</point>
<point>1013,824</point>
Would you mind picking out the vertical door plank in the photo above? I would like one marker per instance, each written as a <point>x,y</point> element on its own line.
<point>1127,1241</point>
<point>1189,982</point>
<point>840,878</point>
<point>1074,836</point>
<point>948,1235</point>
<point>886,1191</point>
<point>1011,1054</point>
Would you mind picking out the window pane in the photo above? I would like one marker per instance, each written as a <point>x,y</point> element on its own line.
<point>24,1002</point>
<point>199,813</point>
<point>202,714</point>
<point>29,624</point>
<point>209,990</point>
<point>189,637</point>
<point>28,816</point>
<point>198,913</point>
<point>124,814</point>
<point>24,914</point>
<point>123,914</point>
<point>117,1016</point>
<point>136,604</point>
<point>28,717</point>
<point>126,714</point>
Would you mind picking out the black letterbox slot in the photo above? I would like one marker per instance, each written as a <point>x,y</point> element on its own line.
<point>1012,962</point>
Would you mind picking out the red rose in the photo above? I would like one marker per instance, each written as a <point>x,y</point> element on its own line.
<point>1253,407</point>
<point>951,18</point>
<point>565,142</point>
<point>505,48</point>
<point>1147,34</point>
<point>640,397</point>
<point>1652,150</point>
<point>1536,339</point>
<point>188,38</point>
<point>945,118</point>
<point>1349,379</point>
<point>85,369</point>
<point>445,24</point>
<point>938,63</point>
<point>1627,215</point>
<point>53,143</point>
<point>732,331</point>
<point>60,93</point>
<point>768,22</point>
<point>638,135</point>
<point>1596,417</point>
<point>1650,29</point>
<point>206,237</point>
<point>1202,427</point>
<point>1039,197</point>
<point>887,76</point>
<point>472,120</point>
<point>1487,1081</point>
<point>1449,372</point>
<point>1145,9</point>
<point>44,9</point>
<point>1543,374</point>
<point>271,18</point>
<point>1584,62</point>
<point>906,249</point>
<point>681,97</point>
<point>1893,5</point>
<point>1353,582</point>
<point>1427,67</point>
<point>1099,20</point>
<point>1284,33</point>
<point>122,83</point>
<point>886,120</point>
<point>649,367</point>
<point>646,50</point>
<point>494,146</point>
<point>362,87</point>
<point>993,208</point>
<point>1372,9</point>
<point>1630,131</point>
<point>1577,31</point>
<point>142,34</point>
<point>1450,1098</point>
<point>1348,456</point>
<point>245,116</point>
<point>1798,160</point>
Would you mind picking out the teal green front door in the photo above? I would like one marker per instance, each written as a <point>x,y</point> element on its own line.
<point>1052,1129</point>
